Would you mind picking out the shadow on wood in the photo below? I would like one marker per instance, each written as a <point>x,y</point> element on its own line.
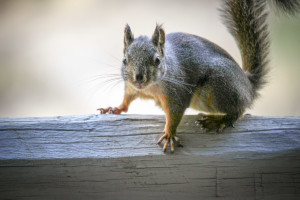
<point>116,157</point>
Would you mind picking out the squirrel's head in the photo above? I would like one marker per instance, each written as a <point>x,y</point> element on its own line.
<point>143,58</point>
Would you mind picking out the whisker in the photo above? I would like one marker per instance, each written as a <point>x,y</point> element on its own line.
<point>113,85</point>
<point>117,59</point>
<point>97,77</point>
<point>106,85</point>
<point>110,65</point>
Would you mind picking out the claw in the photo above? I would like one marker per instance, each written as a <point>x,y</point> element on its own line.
<point>110,110</point>
<point>104,110</point>
<point>166,145</point>
<point>161,139</point>
<point>172,145</point>
<point>169,140</point>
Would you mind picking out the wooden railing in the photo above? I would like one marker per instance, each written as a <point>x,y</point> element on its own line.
<point>116,157</point>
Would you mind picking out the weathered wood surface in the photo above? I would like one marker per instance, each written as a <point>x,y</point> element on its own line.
<point>116,157</point>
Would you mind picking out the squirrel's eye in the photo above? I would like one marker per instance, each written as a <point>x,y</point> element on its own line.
<point>124,61</point>
<point>157,61</point>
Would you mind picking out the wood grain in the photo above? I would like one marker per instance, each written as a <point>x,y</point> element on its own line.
<point>116,157</point>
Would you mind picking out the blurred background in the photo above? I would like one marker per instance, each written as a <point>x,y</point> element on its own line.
<point>54,54</point>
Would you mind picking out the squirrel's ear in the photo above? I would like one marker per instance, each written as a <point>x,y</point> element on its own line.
<point>128,37</point>
<point>158,38</point>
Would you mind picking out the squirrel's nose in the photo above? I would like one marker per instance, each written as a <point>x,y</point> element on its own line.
<point>139,78</point>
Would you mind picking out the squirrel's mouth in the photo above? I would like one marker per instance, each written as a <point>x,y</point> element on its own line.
<point>140,86</point>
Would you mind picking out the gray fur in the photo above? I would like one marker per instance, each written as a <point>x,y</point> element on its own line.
<point>194,72</point>
<point>209,70</point>
<point>246,21</point>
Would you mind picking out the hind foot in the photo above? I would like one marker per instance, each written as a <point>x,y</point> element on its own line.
<point>214,122</point>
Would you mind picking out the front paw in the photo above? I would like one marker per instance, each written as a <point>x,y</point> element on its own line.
<point>169,140</point>
<point>110,110</point>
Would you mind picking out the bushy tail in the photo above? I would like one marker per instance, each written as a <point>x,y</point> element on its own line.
<point>246,21</point>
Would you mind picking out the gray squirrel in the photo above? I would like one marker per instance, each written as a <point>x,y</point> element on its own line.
<point>180,70</point>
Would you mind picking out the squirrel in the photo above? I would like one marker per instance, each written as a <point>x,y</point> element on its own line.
<point>181,70</point>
